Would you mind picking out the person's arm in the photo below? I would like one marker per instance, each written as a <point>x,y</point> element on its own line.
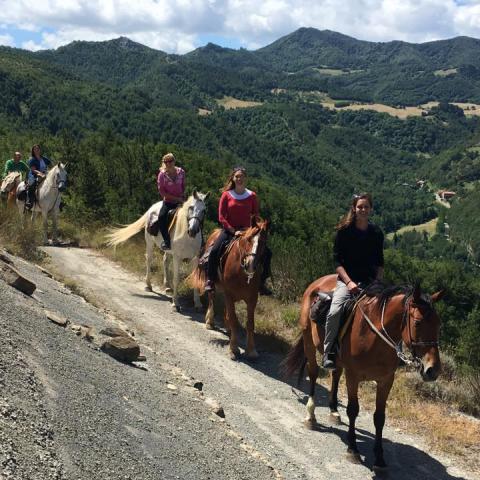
<point>380,259</point>
<point>339,268</point>
<point>223,213</point>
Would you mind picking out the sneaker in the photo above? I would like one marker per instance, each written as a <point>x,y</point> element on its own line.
<point>329,361</point>
<point>209,286</point>
<point>165,246</point>
<point>264,290</point>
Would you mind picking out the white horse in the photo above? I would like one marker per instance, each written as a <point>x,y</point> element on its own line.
<point>186,241</point>
<point>49,194</point>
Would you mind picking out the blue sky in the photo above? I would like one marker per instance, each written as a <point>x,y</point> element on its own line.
<point>178,26</point>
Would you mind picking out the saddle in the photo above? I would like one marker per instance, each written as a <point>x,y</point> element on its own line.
<point>321,305</point>
<point>205,255</point>
<point>153,226</point>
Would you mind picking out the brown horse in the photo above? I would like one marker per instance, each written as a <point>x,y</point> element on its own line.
<point>9,187</point>
<point>240,280</point>
<point>369,350</point>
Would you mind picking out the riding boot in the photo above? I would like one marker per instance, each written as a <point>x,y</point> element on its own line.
<point>329,360</point>
<point>30,197</point>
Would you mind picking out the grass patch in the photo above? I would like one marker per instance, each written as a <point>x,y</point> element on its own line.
<point>230,103</point>
<point>430,227</point>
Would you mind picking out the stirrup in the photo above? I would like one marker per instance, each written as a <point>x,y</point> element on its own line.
<point>209,286</point>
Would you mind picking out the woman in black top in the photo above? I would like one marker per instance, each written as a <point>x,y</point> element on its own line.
<point>358,257</point>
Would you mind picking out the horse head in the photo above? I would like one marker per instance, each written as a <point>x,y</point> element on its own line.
<point>61,178</point>
<point>421,331</point>
<point>252,244</point>
<point>10,182</point>
<point>196,213</point>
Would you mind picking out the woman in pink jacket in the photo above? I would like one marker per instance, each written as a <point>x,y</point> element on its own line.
<point>171,186</point>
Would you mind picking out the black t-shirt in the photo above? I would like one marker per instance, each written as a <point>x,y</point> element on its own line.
<point>359,252</point>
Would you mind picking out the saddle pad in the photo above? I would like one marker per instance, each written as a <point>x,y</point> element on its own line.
<point>350,310</point>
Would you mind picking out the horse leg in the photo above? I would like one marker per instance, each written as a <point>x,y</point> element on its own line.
<point>312,367</point>
<point>383,389</point>
<point>352,412</point>
<point>251,352</point>
<point>196,295</point>
<point>233,322</point>
<point>176,281</point>
<point>55,226</point>
<point>210,315</point>
<point>148,261</point>
<point>167,280</point>
<point>45,228</point>
<point>333,395</point>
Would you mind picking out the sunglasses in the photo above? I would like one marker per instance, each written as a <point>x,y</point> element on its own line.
<point>168,161</point>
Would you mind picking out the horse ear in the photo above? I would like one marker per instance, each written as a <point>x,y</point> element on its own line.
<point>417,292</point>
<point>194,193</point>
<point>438,295</point>
<point>206,196</point>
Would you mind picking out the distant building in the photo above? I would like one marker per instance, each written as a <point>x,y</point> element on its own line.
<point>446,194</point>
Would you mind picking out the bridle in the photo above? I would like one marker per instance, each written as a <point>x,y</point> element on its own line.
<point>200,217</point>
<point>414,360</point>
<point>253,254</point>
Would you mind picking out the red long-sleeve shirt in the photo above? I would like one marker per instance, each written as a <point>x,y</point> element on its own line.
<point>236,211</point>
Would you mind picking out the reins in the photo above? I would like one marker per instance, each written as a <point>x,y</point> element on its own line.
<point>414,360</point>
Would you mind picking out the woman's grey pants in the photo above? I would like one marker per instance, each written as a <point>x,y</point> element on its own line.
<point>340,296</point>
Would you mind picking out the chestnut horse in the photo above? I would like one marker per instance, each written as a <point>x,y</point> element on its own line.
<point>9,187</point>
<point>240,280</point>
<point>369,350</point>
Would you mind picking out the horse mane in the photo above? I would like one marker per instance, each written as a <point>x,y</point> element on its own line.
<point>51,174</point>
<point>181,222</point>
<point>250,232</point>
<point>384,292</point>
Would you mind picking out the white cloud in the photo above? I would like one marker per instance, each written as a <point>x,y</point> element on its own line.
<point>7,40</point>
<point>177,25</point>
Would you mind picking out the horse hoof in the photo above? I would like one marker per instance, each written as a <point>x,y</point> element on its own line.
<point>210,326</point>
<point>310,423</point>
<point>334,418</point>
<point>234,355</point>
<point>253,355</point>
<point>176,308</point>
<point>148,289</point>
<point>353,457</point>
<point>168,290</point>
<point>380,467</point>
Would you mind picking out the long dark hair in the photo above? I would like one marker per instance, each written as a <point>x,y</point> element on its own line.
<point>33,148</point>
<point>349,217</point>
<point>230,183</point>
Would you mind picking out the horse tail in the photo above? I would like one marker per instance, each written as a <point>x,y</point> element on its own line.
<point>294,360</point>
<point>120,235</point>
<point>197,279</point>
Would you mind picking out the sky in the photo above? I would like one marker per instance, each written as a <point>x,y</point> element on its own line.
<point>179,26</point>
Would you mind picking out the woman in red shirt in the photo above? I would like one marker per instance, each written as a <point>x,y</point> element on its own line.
<point>236,209</point>
<point>171,187</point>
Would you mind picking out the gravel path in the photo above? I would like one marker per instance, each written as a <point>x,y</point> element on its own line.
<point>109,420</point>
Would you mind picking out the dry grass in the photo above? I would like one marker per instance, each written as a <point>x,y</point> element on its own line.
<point>402,113</point>
<point>429,227</point>
<point>203,112</point>
<point>230,103</point>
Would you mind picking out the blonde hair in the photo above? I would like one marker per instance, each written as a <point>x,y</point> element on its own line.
<point>349,217</point>
<point>167,156</point>
<point>230,183</point>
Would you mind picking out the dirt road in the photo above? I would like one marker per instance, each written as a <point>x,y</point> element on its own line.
<point>262,410</point>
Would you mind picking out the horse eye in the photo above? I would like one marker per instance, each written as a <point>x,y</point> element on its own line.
<point>417,323</point>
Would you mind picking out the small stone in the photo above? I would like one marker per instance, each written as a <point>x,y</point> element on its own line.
<point>13,278</point>
<point>170,386</point>
<point>58,319</point>
<point>114,332</point>
<point>122,348</point>
<point>198,386</point>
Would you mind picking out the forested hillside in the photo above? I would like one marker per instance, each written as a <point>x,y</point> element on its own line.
<point>112,109</point>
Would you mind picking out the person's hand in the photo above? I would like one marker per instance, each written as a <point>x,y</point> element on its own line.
<point>353,287</point>
<point>238,233</point>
